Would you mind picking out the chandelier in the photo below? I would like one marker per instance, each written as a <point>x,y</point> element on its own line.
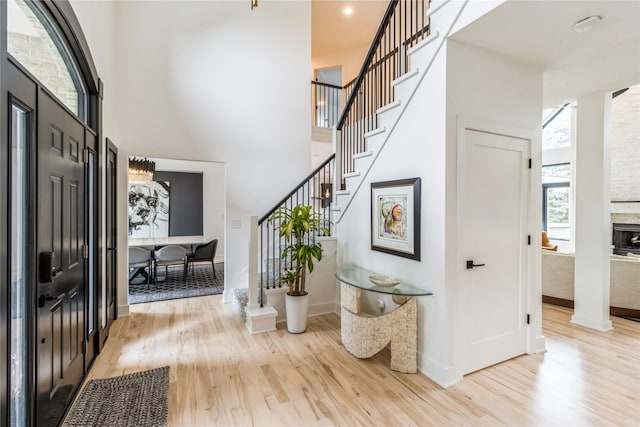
<point>141,170</point>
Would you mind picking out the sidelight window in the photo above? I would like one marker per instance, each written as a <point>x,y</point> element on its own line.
<point>18,266</point>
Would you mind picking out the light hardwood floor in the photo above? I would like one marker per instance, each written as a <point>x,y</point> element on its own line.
<point>221,375</point>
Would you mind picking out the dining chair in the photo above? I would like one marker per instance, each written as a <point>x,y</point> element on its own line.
<point>206,252</point>
<point>170,255</point>
<point>139,260</point>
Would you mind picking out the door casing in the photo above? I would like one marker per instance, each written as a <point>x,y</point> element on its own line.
<point>533,289</point>
<point>109,297</point>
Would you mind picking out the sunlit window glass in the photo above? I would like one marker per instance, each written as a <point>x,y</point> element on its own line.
<point>557,131</point>
<point>40,50</point>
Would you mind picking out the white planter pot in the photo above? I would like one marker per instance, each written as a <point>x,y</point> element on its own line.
<point>297,308</point>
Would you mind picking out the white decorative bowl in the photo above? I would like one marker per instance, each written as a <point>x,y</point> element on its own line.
<point>383,281</point>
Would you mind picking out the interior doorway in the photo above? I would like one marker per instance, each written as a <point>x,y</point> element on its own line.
<point>181,206</point>
<point>493,246</point>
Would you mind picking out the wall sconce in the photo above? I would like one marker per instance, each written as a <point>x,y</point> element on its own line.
<point>141,170</point>
<point>326,194</point>
<point>254,3</point>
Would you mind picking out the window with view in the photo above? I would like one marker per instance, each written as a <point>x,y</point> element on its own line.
<point>556,130</point>
<point>556,199</point>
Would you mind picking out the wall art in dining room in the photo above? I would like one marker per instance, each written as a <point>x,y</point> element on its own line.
<point>149,209</point>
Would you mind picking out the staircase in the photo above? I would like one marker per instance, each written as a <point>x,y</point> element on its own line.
<point>396,64</point>
<point>399,58</point>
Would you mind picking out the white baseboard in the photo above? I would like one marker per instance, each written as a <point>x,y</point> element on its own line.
<point>320,309</point>
<point>602,326</point>
<point>444,376</point>
<point>123,311</point>
<point>541,344</point>
<point>227,296</point>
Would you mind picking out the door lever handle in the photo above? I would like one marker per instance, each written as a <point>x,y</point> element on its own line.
<point>45,297</point>
<point>471,265</point>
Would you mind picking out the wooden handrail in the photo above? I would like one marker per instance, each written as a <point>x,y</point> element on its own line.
<point>372,50</point>
<point>317,83</point>
<point>299,186</point>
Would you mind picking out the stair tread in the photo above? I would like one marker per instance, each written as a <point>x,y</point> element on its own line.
<point>423,43</point>
<point>363,154</point>
<point>435,6</point>
<point>375,132</point>
<point>342,192</point>
<point>351,174</point>
<point>406,76</point>
<point>389,106</point>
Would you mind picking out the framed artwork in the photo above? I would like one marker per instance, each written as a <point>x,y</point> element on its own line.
<point>149,209</point>
<point>395,217</point>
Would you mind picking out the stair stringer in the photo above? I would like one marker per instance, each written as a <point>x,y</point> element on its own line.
<point>422,57</point>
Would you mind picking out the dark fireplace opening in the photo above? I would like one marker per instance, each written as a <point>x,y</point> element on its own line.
<point>626,238</point>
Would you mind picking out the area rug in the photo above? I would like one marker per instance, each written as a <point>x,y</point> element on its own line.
<point>138,399</point>
<point>200,282</point>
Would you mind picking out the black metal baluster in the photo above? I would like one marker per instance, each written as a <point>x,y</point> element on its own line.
<point>260,259</point>
<point>331,106</point>
<point>410,20</point>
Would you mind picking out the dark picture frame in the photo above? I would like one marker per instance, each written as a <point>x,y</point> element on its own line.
<point>395,217</point>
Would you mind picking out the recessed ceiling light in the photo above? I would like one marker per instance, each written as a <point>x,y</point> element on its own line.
<point>348,11</point>
<point>586,24</point>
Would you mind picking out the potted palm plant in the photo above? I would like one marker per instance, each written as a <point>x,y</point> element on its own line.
<point>297,225</point>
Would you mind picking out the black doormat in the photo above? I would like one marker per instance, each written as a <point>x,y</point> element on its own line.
<point>200,282</point>
<point>138,399</point>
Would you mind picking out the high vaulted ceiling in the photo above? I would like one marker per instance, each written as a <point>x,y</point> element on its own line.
<point>540,33</point>
<point>536,32</point>
<point>333,31</point>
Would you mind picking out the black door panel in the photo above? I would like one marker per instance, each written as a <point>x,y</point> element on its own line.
<point>61,217</point>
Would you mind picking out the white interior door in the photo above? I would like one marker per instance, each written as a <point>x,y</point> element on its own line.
<point>493,203</point>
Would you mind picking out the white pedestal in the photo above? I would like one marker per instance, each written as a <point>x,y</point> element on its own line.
<point>260,320</point>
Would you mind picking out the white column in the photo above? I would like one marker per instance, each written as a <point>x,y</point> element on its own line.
<point>259,319</point>
<point>336,136</point>
<point>593,212</point>
<point>253,262</point>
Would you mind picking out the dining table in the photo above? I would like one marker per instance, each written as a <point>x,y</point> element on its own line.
<point>153,243</point>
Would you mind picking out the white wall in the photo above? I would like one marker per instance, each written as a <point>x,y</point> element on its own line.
<point>213,196</point>
<point>473,10</point>
<point>420,132</point>
<point>494,89</point>
<point>209,81</point>
<point>321,285</point>
<point>498,90</point>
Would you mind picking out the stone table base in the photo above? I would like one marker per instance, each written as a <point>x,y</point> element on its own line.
<point>365,335</point>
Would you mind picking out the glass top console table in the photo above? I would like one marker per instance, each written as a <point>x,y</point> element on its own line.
<point>360,278</point>
<point>364,335</point>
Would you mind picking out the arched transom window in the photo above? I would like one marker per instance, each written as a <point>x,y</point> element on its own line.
<point>33,41</point>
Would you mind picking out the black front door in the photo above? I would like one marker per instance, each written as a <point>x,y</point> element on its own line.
<point>61,248</point>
